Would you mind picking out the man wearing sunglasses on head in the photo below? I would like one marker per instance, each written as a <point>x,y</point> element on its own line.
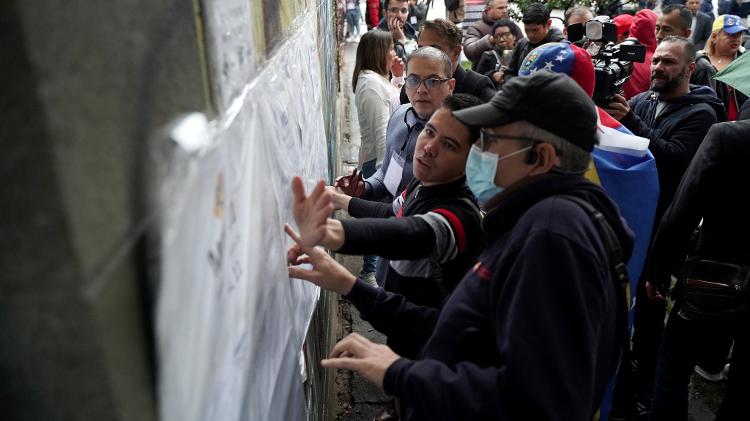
<point>427,83</point>
<point>534,329</point>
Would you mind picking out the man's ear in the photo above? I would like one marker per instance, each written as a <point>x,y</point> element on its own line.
<point>452,85</point>
<point>546,159</point>
<point>549,23</point>
<point>456,55</point>
<point>691,69</point>
<point>689,31</point>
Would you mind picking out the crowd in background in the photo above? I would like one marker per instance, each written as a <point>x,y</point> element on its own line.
<point>496,247</point>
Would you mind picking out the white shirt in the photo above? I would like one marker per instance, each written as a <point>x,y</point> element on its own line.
<point>376,99</point>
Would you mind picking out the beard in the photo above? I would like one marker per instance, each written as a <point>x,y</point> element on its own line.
<point>667,85</point>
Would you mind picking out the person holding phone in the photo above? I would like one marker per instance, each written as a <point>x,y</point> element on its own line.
<point>503,38</point>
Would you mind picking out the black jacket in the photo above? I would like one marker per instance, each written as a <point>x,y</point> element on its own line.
<point>702,32</point>
<point>467,82</point>
<point>713,189</point>
<point>675,134</point>
<point>524,47</point>
<point>431,235</point>
<point>488,64</point>
<point>529,333</point>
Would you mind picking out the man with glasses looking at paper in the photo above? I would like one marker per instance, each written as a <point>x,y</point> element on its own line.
<point>427,82</point>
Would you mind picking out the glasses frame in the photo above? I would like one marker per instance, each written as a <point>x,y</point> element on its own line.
<point>433,79</point>
<point>504,35</point>
<point>486,139</point>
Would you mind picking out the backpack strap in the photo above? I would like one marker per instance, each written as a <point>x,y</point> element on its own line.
<point>616,264</point>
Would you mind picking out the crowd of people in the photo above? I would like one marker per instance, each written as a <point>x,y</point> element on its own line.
<point>501,279</point>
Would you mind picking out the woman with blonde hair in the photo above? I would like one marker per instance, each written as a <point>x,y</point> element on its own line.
<point>376,98</point>
<point>722,47</point>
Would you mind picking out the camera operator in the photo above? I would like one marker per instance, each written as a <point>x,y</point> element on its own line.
<point>675,116</point>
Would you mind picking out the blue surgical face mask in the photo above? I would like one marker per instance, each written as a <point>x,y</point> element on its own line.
<point>481,168</point>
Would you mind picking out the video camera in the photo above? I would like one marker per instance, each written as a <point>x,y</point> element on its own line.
<point>613,63</point>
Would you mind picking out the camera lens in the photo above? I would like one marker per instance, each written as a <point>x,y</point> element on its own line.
<point>594,30</point>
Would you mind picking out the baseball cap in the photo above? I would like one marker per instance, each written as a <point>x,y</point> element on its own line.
<point>562,57</point>
<point>623,22</point>
<point>550,101</point>
<point>731,24</point>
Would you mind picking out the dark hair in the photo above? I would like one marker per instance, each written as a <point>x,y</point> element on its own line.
<point>514,29</point>
<point>688,47</point>
<point>445,30</point>
<point>371,51</point>
<point>686,16</point>
<point>387,2</point>
<point>457,102</point>
<point>536,13</point>
<point>435,54</point>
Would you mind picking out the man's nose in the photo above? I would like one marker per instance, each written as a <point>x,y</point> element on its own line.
<point>430,148</point>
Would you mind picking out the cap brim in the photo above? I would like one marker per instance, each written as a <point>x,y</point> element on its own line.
<point>735,29</point>
<point>485,115</point>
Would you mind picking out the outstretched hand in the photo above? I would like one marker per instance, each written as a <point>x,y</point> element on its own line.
<point>359,354</point>
<point>311,212</point>
<point>326,272</point>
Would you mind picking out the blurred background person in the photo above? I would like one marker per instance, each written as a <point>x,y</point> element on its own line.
<point>578,14</point>
<point>353,16</point>
<point>722,48</point>
<point>503,39</point>
<point>700,30</point>
<point>538,28</point>
<point>477,35</point>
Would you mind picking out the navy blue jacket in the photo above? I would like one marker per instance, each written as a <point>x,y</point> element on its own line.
<point>675,134</point>
<point>529,333</point>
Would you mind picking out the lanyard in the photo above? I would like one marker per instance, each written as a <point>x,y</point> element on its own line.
<point>409,128</point>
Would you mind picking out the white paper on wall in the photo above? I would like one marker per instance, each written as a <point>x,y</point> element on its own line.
<point>230,322</point>
<point>231,50</point>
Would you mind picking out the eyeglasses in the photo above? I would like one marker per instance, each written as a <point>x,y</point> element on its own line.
<point>504,35</point>
<point>413,82</point>
<point>486,139</point>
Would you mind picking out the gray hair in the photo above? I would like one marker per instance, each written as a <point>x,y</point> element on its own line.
<point>578,11</point>
<point>432,54</point>
<point>572,158</point>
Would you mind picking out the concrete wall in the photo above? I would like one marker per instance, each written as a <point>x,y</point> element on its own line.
<point>87,87</point>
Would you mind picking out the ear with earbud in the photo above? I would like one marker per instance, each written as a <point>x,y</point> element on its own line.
<point>532,156</point>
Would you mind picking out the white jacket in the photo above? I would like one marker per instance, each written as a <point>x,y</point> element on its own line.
<point>376,99</point>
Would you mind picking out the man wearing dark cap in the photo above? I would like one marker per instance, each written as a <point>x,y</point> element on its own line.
<point>533,330</point>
